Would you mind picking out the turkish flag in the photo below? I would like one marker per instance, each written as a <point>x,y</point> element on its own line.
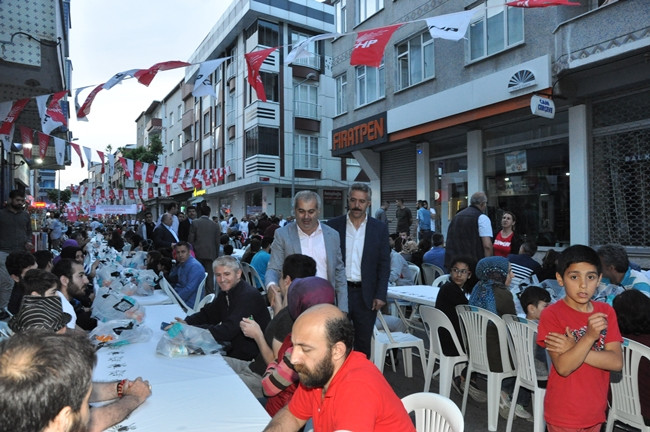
<point>370,44</point>
<point>43,142</point>
<point>254,62</point>
<point>541,3</point>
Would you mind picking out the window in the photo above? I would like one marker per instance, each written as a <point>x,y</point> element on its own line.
<point>181,141</point>
<point>341,89</point>
<point>341,23</point>
<point>314,47</point>
<point>370,84</point>
<point>171,145</point>
<point>217,115</point>
<point>206,123</point>
<point>306,101</point>
<point>494,28</point>
<point>367,8</point>
<point>262,140</point>
<point>307,156</point>
<point>267,33</point>
<point>171,119</point>
<point>414,60</point>
<point>271,88</point>
<point>180,112</point>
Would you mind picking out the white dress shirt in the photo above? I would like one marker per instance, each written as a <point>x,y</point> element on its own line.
<point>313,245</point>
<point>354,241</point>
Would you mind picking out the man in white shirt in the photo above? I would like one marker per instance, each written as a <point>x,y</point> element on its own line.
<point>309,237</point>
<point>73,279</point>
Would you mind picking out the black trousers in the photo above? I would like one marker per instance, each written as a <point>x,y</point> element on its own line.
<point>363,319</point>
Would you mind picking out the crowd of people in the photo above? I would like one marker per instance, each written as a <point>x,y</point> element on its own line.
<point>310,334</point>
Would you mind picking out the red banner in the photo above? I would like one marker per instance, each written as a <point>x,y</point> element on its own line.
<point>101,158</point>
<point>132,194</point>
<point>151,170</point>
<point>12,116</point>
<point>125,167</point>
<point>83,112</point>
<point>77,149</point>
<point>370,44</point>
<point>254,62</point>
<point>43,142</point>
<point>145,76</point>
<point>137,171</point>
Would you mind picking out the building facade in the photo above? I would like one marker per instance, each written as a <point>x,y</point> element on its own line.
<point>444,119</point>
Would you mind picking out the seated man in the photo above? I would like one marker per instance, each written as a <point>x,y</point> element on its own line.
<point>261,259</point>
<point>358,396</point>
<point>400,273</point>
<point>523,265</point>
<point>18,263</point>
<point>436,255</point>
<point>72,280</point>
<point>187,274</point>
<point>618,276</point>
<point>236,300</point>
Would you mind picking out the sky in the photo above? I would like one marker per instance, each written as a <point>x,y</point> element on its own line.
<point>111,37</point>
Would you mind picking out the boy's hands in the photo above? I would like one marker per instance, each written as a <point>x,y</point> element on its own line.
<point>559,342</point>
<point>597,323</point>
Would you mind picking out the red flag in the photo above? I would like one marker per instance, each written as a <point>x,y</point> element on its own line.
<point>27,137</point>
<point>145,76</point>
<point>177,174</point>
<point>12,116</point>
<point>111,194</point>
<point>120,193</point>
<point>215,175</point>
<point>541,3</point>
<point>254,62</point>
<point>370,44</point>
<point>206,177</point>
<point>125,167</point>
<point>83,112</point>
<point>220,173</point>
<point>140,193</point>
<point>102,194</point>
<point>137,171</point>
<point>43,142</point>
<point>101,158</point>
<point>151,170</point>
<point>163,175</point>
<point>150,191</point>
<point>78,150</point>
<point>54,109</point>
<point>132,194</point>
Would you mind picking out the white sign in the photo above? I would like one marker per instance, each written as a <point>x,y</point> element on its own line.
<point>542,106</point>
<point>114,209</point>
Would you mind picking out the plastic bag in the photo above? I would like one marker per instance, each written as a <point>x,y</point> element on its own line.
<point>111,305</point>
<point>119,332</point>
<point>183,340</point>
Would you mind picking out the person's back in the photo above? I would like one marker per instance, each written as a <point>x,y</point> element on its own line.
<point>400,273</point>
<point>463,235</point>
<point>436,255</point>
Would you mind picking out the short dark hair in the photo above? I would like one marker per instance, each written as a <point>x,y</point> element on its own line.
<point>616,255</point>
<point>70,252</point>
<point>147,214</point>
<point>190,207</point>
<point>183,243</point>
<point>170,206</point>
<point>577,254</point>
<point>43,258</point>
<point>228,249</point>
<point>205,210</point>
<point>631,308</point>
<point>255,244</point>
<point>39,281</point>
<point>40,374</point>
<point>64,268</point>
<point>18,261</point>
<point>437,239</point>
<point>266,242</point>
<point>340,329</point>
<point>529,248</point>
<point>298,266</point>
<point>532,295</point>
<point>16,193</point>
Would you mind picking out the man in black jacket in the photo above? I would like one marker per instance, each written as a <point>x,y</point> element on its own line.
<point>470,231</point>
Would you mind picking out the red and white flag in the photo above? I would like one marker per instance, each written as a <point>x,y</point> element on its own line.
<point>12,116</point>
<point>84,110</point>
<point>118,77</point>
<point>111,194</point>
<point>370,44</point>
<point>164,174</point>
<point>145,76</point>
<point>101,158</point>
<point>137,171</point>
<point>157,174</point>
<point>132,194</point>
<point>151,171</point>
<point>120,193</point>
<point>220,173</point>
<point>541,3</point>
<point>203,83</point>
<point>150,193</point>
<point>51,115</point>
<point>125,167</point>
<point>177,174</point>
<point>254,62</point>
<point>168,189</point>
<point>301,49</point>
<point>77,150</point>
<point>27,138</point>
<point>451,26</point>
<point>43,142</point>
<point>59,150</point>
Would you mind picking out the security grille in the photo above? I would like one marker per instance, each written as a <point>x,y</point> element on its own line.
<point>620,170</point>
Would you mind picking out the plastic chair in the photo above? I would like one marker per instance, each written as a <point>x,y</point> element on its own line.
<point>173,295</point>
<point>430,273</point>
<point>626,407</point>
<point>204,301</point>
<point>441,280</point>
<point>415,271</point>
<point>252,277</point>
<point>434,413</point>
<point>523,340</point>
<point>435,319</point>
<point>386,340</point>
<point>199,293</point>
<point>474,322</point>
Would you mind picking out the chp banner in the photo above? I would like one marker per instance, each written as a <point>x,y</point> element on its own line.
<point>114,209</point>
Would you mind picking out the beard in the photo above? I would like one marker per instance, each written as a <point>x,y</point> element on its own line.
<point>321,374</point>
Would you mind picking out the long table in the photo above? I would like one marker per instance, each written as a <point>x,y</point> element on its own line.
<point>420,294</point>
<point>199,393</point>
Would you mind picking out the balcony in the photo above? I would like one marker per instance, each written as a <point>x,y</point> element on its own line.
<point>307,110</point>
<point>154,125</point>
<point>312,62</point>
<point>262,114</point>
<point>231,70</point>
<point>262,165</point>
<point>593,36</point>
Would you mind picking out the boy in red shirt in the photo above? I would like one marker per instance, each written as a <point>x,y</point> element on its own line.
<point>584,343</point>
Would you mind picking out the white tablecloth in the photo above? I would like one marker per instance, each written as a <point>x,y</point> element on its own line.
<point>158,298</point>
<point>421,294</point>
<point>199,393</point>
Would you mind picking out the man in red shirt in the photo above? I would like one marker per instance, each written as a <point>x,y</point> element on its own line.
<point>339,388</point>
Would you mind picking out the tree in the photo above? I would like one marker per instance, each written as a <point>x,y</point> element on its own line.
<point>148,154</point>
<point>53,195</point>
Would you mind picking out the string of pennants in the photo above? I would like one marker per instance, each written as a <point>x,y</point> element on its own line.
<point>368,50</point>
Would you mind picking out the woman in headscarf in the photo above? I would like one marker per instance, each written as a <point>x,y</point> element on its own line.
<point>280,379</point>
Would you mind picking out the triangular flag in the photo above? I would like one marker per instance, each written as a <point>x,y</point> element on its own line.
<point>145,76</point>
<point>84,110</point>
<point>300,50</point>
<point>77,107</point>
<point>89,156</point>
<point>125,167</point>
<point>55,110</point>
<point>137,171</point>
<point>43,142</point>
<point>254,62</point>
<point>370,44</point>
<point>27,138</point>
<point>59,150</point>
<point>48,121</point>
<point>150,171</point>
<point>157,173</point>
<point>12,116</point>
<point>101,158</point>
<point>451,26</point>
<point>78,151</point>
<point>203,83</point>
<point>118,77</point>
<point>541,3</point>
<point>111,164</point>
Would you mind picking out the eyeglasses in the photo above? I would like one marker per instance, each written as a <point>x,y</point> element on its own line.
<point>459,271</point>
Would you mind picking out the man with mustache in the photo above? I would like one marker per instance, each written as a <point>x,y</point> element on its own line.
<point>339,389</point>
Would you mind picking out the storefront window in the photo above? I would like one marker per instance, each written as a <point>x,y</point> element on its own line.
<point>253,202</point>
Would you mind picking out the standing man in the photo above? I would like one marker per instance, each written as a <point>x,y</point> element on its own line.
<point>470,231</point>
<point>424,221</point>
<point>164,235</point>
<point>15,235</point>
<point>309,237</point>
<point>366,253</point>
<point>184,226</point>
<point>56,231</point>
<point>381,214</point>
<point>404,217</point>
<point>204,236</point>
<point>147,227</point>
<point>171,209</point>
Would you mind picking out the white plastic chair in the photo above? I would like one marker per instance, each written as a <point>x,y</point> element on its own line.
<point>626,405</point>
<point>199,293</point>
<point>522,341</point>
<point>430,273</point>
<point>434,413</point>
<point>173,295</point>
<point>415,271</point>
<point>386,340</point>
<point>441,280</point>
<point>204,301</point>
<point>474,322</point>
<point>252,277</point>
<point>435,319</point>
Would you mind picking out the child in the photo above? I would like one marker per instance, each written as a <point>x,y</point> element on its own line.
<point>533,301</point>
<point>584,343</point>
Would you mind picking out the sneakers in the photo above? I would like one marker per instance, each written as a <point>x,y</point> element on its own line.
<point>521,412</point>
<point>504,408</point>
<point>479,396</point>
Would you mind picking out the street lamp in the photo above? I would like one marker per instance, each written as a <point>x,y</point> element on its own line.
<point>310,76</point>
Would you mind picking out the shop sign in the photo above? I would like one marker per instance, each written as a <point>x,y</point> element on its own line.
<point>199,192</point>
<point>332,194</point>
<point>362,134</point>
<point>542,106</point>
